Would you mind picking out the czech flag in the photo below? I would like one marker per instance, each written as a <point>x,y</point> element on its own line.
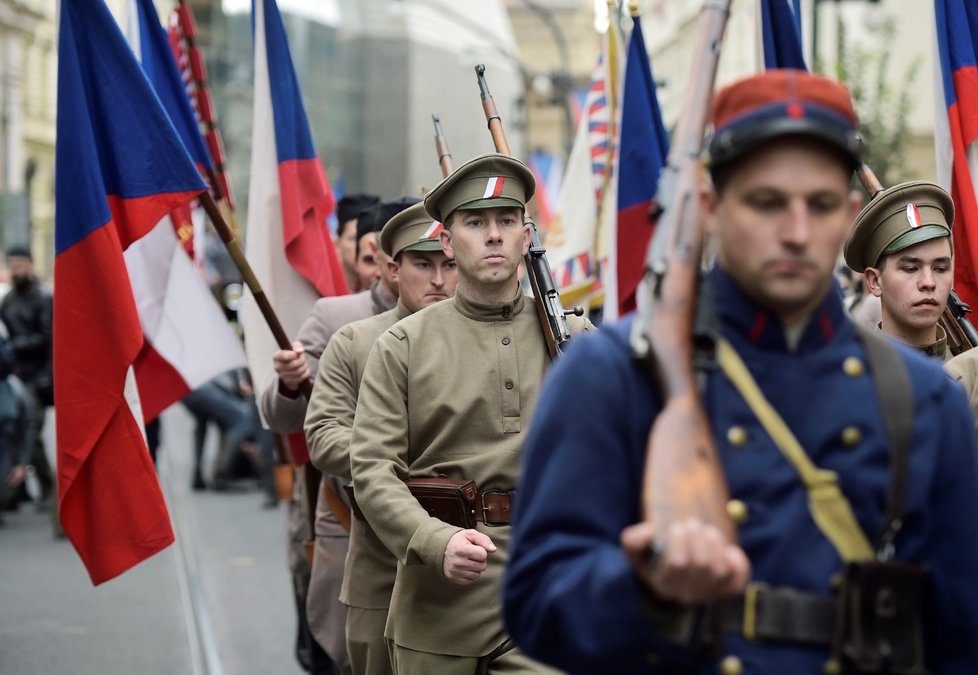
<point>188,340</point>
<point>288,240</point>
<point>781,34</point>
<point>642,153</point>
<point>120,167</point>
<point>955,134</point>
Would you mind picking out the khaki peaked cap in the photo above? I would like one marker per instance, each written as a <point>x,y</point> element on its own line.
<point>410,230</point>
<point>491,180</point>
<point>898,218</point>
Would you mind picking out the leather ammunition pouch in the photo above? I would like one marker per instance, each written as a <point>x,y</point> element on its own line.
<point>456,502</point>
<point>878,626</point>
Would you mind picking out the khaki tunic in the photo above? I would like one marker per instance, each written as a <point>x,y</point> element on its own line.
<point>368,577</point>
<point>284,415</point>
<point>964,369</point>
<point>937,349</point>
<point>447,391</point>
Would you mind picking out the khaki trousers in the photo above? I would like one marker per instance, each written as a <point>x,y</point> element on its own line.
<point>365,641</point>
<point>506,659</point>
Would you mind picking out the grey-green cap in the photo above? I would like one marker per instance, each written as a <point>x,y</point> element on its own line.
<point>492,180</point>
<point>896,219</point>
<point>410,230</point>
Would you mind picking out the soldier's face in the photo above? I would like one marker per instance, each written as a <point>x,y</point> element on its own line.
<point>487,244</point>
<point>913,285</point>
<point>780,222</point>
<point>368,263</point>
<point>346,244</point>
<point>424,278</point>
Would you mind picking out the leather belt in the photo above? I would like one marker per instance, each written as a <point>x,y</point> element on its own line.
<point>494,507</point>
<point>781,614</point>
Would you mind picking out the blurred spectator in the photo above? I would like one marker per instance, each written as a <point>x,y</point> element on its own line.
<point>27,312</point>
<point>16,427</point>
<point>217,401</point>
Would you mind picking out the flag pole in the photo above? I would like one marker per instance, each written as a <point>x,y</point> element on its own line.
<point>203,106</point>
<point>233,247</point>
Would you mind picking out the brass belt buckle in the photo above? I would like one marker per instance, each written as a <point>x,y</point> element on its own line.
<point>749,626</point>
<point>485,509</point>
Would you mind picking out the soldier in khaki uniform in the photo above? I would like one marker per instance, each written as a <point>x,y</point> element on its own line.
<point>425,275</point>
<point>284,408</point>
<point>449,392</point>
<point>901,242</point>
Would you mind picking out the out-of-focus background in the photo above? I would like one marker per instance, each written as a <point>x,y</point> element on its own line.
<point>373,71</point>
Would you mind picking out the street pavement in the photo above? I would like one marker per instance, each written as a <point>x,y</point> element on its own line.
<point>216,602</point>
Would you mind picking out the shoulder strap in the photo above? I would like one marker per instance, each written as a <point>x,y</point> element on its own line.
<point>827,504</point>
<point>895,395</point>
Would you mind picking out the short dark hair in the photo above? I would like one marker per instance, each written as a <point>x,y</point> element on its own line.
<point>19,251</point>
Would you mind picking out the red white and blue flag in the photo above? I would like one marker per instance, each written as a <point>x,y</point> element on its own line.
<point>580,222</point>
<point>188,340</point>
<point>956,130</point>
<point>120,167</point>
<point>780,34</point>
<point>642,153</point>
<point>288,242</point>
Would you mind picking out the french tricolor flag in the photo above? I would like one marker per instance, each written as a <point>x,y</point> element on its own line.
<point>188,340</point>
<point>288,242</point>
<point>120,167</point>
<point>955,131</point>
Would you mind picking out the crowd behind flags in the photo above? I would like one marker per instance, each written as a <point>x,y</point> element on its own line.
<point>120,167</point>
<point>289,199</point>
<point>956,130</point>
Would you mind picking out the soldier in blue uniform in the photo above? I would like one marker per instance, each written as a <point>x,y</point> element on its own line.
<point>581,592</point>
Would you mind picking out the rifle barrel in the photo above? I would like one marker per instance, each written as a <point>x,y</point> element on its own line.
<point>441,147</point>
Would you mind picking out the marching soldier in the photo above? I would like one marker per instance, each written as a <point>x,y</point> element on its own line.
<point>347,210</point>
<point>284,408</point>
<point>820,490</point>
<point>901,243</point>
<point>425,275</point>
<point>444,403</point>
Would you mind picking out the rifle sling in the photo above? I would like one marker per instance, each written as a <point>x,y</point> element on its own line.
<point>895,395</point>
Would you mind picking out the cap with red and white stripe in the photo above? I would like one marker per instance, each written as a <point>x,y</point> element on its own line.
<point>488,181</point>
<point>410,230</point>
<point>898,218</point>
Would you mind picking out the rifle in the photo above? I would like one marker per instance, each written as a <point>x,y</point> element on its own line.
<point>961,333</point>
<point>550,310</point>
<point>683,477</point>
<point>441,147</point>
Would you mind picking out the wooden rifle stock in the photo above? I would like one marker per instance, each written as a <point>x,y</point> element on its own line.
<point>441,147</point>
<point>961,333</point>
<point>550,310</point>
<point>683,477</point>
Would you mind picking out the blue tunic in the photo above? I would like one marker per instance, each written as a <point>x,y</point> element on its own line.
<point>572,600</point>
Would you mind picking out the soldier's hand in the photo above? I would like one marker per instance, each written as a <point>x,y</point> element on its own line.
<point>466,555</point>
<point>291,366</point>
<point>697,565</point>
